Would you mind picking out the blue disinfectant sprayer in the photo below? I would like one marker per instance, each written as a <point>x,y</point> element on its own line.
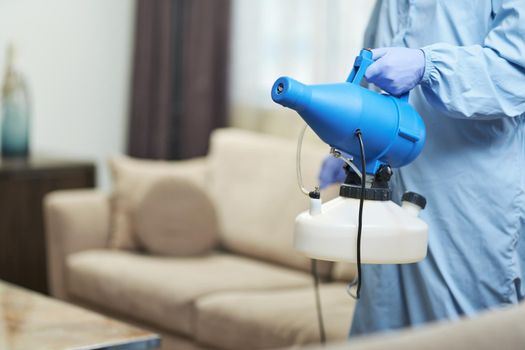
<point>379,132</point>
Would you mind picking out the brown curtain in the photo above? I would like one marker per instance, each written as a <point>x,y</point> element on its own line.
<point>179,92</point>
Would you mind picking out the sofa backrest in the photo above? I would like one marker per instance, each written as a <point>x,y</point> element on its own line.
<point>253,182</point>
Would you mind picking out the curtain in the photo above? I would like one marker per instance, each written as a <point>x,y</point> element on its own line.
<point>179,91</point>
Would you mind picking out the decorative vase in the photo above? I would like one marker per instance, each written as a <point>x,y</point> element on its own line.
<point>15,113</point>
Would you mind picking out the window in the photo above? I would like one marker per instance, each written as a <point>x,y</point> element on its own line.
<point>314,41</point>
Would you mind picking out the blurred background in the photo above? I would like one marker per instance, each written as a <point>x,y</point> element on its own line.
<point>107,77</point>
<point>110,200</point>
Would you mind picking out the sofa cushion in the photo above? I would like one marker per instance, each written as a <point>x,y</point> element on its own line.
<point>131,178</point>
<point>163,290</point>
<point>264,320</point>
<point>175,217</point>
<point>344,272</point>
<point>253,181</point>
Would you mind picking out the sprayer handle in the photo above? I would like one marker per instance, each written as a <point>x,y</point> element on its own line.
<point>361,63</point>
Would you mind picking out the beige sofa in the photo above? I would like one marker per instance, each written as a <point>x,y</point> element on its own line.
<point>252,291</point>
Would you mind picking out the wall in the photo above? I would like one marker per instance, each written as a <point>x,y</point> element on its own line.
<point>76,56</point>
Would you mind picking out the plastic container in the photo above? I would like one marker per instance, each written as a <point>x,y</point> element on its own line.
<point>391,234</point>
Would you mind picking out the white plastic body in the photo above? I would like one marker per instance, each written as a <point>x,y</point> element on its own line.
<point>390,234</point>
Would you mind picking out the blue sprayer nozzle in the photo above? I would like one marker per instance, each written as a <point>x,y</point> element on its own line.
<point>393,132</point>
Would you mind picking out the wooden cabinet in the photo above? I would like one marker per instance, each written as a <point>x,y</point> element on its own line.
<point>23,185</point>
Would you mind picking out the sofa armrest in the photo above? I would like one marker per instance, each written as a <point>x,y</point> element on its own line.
<point>75,220</point>
<point>490,329</point>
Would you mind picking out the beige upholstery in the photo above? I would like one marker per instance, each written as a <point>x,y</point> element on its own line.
<point>131,179</point>
<point>344,272</point>
<point>163,291</point>
<point>255,188</point>
<point>175,217</point>
<point>264,320</point>
<point>75,220</point>
<point>500,329</point>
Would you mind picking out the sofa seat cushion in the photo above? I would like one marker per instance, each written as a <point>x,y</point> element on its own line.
<point>344,272</point>
<point>263,320</point>
<point>162,290</point>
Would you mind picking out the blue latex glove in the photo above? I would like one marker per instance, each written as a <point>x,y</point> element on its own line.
<point>396,70</point>
<point>331,172</point>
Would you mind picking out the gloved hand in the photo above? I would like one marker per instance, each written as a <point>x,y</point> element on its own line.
<point>331,171</point>
<point>396,70</point>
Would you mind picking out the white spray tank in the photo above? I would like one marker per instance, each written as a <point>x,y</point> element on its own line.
<point>386,131</point>
<point>391,234</point>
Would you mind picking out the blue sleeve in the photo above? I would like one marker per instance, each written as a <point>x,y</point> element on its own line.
<point>481,81</point>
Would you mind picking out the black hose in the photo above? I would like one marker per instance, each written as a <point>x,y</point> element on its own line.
<point>360,220</point>
<point>320,322</point>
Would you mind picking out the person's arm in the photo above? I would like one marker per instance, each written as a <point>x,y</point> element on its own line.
<point>481,81</point>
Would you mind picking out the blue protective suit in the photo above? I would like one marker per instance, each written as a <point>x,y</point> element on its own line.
<point>472,169</point>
